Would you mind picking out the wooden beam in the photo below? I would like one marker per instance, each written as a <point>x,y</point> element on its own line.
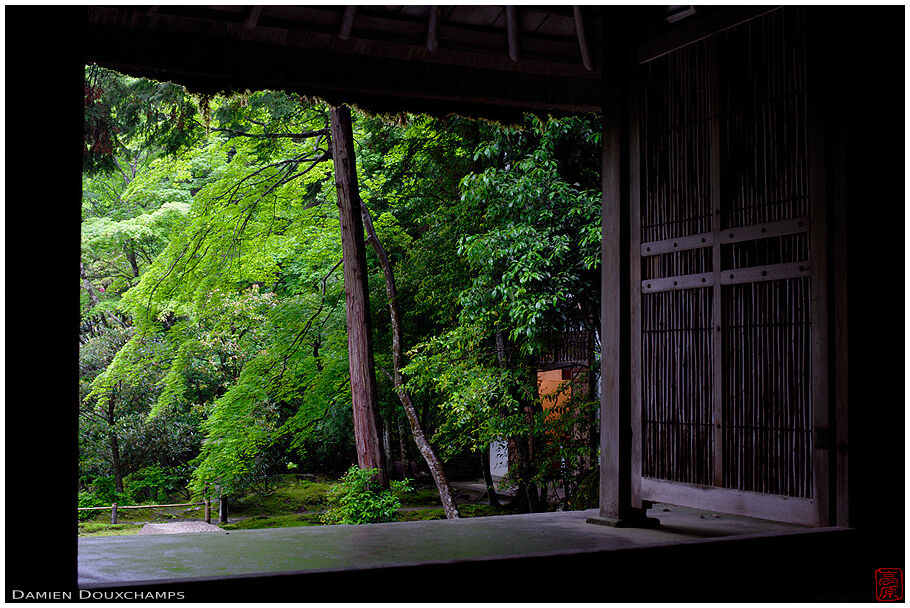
<point>512,32</point>
<point>699,29</point>
<point>582,39</point>
<point>617,428</point>
<point>253,17</point>
<point>771,272</point>
<point>347,22</point>
<point>725,500</point>
<point>823,448</point>
<point>432,29</point>
<point>687,281</point>
<point>717,339</point>
<point>764,231</point>
<point>683,243</point>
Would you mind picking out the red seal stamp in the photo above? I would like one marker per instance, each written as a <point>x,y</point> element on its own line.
<point>889,584</point>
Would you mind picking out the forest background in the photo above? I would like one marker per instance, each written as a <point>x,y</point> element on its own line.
<point>213,352</point>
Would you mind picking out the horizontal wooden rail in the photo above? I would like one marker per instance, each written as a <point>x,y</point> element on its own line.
<point>727,236</point>
<point>108,508</point>
<point>222,508</point>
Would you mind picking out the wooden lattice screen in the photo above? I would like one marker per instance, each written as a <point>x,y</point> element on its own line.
<point>724,316</point>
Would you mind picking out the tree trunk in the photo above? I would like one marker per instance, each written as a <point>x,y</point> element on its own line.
<point>387,446</point>
<point>403,448</point>
<point>360,348</point>
<point>526,493</point>
<point>115,448</point>
<point>488,477</point>
<point>526,487</point>
<point>134,264</point>
<point>88,285</point>
<point>426,450</point>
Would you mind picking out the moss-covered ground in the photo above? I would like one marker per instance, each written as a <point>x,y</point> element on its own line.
<point>295,502</point>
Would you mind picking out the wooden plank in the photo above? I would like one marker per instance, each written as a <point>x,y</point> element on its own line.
<point>635,337</point>
<point>586,59</point>
<point>253,17</point>
<point>818,285</point>
<point>512,32</point>
<point>683,243</point>
<point>717,346</point>
<point>770,272</point>
<point>433,29</point>
<point>347,22</point>
<point>725,500</point>
<point>698,29</point>
<point>688,281</point>
<point>766,230</point>
<point>837,198</point>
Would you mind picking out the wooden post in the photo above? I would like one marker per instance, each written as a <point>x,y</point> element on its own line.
<point>619,432</point>
<point>223,510</point>
<point>360,348</point>
<point>114,513</point>
<point>208,511</point>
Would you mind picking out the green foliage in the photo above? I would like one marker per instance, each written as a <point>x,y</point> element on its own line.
<point>88,499</point>
<point>213,300</point>
<point>152,484</point>
<point>359,499</point>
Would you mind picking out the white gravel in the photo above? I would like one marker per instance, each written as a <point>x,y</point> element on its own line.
<point>179,527</point>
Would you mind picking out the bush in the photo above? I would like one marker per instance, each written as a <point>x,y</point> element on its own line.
<point>104,491</point>
<point>87,499</point>
<point>152,483</point>
<point>359,499</point>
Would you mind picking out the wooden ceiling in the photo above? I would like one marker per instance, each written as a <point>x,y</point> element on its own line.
<point>490,60</point>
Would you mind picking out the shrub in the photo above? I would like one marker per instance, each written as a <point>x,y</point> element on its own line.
<point>359,499</point>
<point>153,483</point>
<point>87,499</point>
<point>104,491</point>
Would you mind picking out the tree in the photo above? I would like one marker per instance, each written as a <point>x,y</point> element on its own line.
<point>534,263</point>
<point>426,450</point>
<point>360,343</point>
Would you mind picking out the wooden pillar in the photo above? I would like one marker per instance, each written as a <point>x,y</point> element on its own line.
<point>620,430</point>
<point>114,513</point>
<point>208,511</point>
<point>223,510</point>
<point>360,348</point>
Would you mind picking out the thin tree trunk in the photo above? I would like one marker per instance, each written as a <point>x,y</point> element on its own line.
<point>88,285</point>
<point>115,448</point>
<point>403,448</point>
<point>526,493</point>
<point>488,477</point>
<point>360,349</point>
<point>528,488</point>
<point>387,446</point>
<point>426,450</point>
<point>134,264</point>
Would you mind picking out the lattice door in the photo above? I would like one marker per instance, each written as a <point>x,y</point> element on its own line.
<point>727,317</point>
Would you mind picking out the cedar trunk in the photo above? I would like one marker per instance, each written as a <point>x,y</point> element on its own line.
<point>360,349</point>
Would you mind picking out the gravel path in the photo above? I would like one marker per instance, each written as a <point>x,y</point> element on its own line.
<point>179,527</point>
